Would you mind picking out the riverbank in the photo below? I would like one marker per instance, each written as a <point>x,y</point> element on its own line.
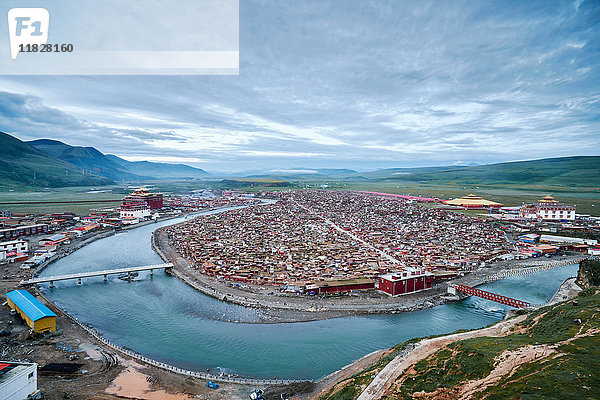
<point>103,257</point>
<point>390,377</point>
<point>78,243</point>
<point>102,366</point>
<point>282,307</point>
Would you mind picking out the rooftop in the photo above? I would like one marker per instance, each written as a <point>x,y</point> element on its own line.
<point>472,200</point>
<point>10,370</point>
<point>31,306</point>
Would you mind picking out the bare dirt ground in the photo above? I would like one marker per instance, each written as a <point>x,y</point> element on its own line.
<point>506,363</point>
<point>334,379</point>
<point>101,369</point>
<point>384,380</point>
<point>139,382</point>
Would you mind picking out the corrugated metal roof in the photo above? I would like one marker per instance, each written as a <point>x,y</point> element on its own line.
<point>56,237</point>
<point>29,305</point>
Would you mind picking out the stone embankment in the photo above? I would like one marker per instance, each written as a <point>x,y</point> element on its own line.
<point>293,308</point>
<point>181,371</point>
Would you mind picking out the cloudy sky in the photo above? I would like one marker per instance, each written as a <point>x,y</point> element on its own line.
<point>348,84</point>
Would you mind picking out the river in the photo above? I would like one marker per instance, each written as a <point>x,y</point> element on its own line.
<point>167,320</point>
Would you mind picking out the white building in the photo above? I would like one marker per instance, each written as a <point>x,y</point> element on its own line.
<point>18,380</point>
<point>548,209</point>
<point>567,239</point>
<point>136,211</point>
<point>20,246</point>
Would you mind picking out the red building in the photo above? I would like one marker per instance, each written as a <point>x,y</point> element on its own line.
<point>24,230</point>
<point>408,280</point>
<point>143,196</point>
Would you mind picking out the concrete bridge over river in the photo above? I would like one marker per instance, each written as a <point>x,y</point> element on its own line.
<point>80,275</point>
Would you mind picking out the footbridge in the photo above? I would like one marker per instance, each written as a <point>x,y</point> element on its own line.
<point>532,268</point>
<point>498,298</point>
<point>104,273</point>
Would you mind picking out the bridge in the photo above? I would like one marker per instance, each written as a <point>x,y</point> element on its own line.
<point>525,269</point>
<point>532,268</point>
<point>509,301</point>
<point>89,274</point>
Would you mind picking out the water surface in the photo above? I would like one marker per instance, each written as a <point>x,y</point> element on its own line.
<point>169,321</point>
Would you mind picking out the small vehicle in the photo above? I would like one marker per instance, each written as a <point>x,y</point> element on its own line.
<point>212,385</point>
<point>256,395</point>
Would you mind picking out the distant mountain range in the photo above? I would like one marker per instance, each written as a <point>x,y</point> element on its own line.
<point>113,167</point>
<point>52,163</point>
<point>305,174</point>
<point>581,171</point>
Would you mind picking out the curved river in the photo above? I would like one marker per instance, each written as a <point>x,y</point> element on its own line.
<point>167,320</point>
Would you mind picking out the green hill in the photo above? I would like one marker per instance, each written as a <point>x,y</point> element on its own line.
<point>552,353</point>
<point>23,165</point>
<point>87,158</point>
<point>113,167</point>
<point>565,171</point>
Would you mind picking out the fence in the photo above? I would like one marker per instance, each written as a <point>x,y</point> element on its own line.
<point>532,268</point>
<point>177,370</point>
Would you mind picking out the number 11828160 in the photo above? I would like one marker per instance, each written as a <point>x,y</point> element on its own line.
<point>46,48</point>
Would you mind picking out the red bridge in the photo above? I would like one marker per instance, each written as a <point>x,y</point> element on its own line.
<point>491,296</point>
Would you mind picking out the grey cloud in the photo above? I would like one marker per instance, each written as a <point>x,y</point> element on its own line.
<point>374,83</point>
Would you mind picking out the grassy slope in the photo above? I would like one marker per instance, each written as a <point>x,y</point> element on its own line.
<point>23,165</point>
<point>573,374</point>
<point>113,167</point>
<point>564,171</point>
<point>87,158</point>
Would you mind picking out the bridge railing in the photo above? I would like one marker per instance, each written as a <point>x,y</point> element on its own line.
<point>532,268</point>
<point>90,274</point>
<point>498,298</point>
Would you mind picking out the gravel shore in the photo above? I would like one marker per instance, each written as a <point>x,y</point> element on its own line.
<point>281,307</point>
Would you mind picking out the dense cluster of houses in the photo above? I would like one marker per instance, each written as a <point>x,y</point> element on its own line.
<point>536,245</point>
<point>52,231</point>
<point>309,238</point>
<point>418,236</point>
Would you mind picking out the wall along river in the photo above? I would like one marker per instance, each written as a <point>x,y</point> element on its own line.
<point>165,319</point>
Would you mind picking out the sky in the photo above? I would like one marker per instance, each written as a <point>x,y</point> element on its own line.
<point>348,84</point>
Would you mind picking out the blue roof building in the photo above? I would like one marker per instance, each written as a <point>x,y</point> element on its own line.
<point>39,317</point>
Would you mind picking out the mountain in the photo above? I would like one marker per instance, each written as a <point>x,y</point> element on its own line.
<point>402,173</point>
<point>87,158</point>
<point>159,170</point>
<point>309,174</point>
<point>579,171</point>
<point>114,167</point>
<point>23,165</point>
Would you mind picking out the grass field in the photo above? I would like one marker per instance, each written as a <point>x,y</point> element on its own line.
<point>59,194</point>
<point>586,200</point>
<point>570,372</point>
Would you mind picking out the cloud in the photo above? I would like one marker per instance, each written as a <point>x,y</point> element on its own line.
<point>369,84</point>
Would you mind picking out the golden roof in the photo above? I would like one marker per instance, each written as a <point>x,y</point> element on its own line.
<point>472,200</point>
<point>548,199</point>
